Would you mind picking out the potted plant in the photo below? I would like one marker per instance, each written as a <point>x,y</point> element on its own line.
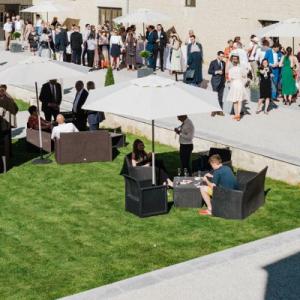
<point>109,77</point>
<point>16,45</point>
<point>144,71</point>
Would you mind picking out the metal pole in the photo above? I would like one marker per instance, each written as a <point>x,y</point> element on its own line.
<point>41,159</point>
<point>39,119</point>
<point>293,45</point>
<point>127,6</point>
<point>153,155</point>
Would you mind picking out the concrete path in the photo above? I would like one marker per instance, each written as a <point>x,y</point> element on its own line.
<point>268,269</point>
<point>275,135</point>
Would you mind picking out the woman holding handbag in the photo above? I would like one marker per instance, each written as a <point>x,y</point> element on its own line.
<point>194,74</point>
<point>176,55</point>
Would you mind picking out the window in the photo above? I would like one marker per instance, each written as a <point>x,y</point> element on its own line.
<point>108,14</point>
<point>265,23</point>
<point>190,3</point>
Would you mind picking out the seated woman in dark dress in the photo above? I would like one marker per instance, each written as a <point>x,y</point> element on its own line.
<point>140,158</point>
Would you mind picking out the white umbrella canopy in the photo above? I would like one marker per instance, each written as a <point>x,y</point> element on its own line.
<point>152,98</point>
<point>36,70</point>
<point>39,70</point>
<point>287,28</point>
<point>142,16</point>
<point>46,7</point>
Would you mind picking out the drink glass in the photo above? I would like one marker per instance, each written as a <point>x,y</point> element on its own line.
<point>179,172</point>
<point>185,172</point>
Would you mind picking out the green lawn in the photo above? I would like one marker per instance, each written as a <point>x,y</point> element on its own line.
<point>22,105</point>
<point>64,228</point>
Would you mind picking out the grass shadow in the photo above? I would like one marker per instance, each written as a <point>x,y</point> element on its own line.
<point>22,153</point>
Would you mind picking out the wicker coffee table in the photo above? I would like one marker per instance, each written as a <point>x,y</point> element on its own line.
<point>186,192</point>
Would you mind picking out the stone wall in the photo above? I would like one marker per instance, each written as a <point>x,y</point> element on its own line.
<point>242,159</point>
<point>214,21</point>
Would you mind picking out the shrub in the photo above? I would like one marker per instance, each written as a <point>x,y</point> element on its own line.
<point>145,54</point>
<point>16,35</point>
<point>109,77</point>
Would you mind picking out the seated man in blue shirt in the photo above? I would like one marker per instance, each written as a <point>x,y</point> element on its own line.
<point>222,176</point>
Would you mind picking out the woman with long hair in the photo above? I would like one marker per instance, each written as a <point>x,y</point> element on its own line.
<point>289,65</point>
<point>237,93</point>
<point>176,55</point>
<point>131,43</point>
<point>140,158</point>
<point>265,86</point>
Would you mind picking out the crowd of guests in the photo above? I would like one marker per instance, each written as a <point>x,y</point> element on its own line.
<point>264,62</point>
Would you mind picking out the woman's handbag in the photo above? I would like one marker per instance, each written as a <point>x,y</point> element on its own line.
<point>189,74</point>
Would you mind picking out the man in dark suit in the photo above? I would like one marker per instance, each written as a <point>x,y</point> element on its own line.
<point>217,70</point>
<point>51,96</point>
<point>151,46</point>
<point>162,41</point>
<point>80,115</point>
<point>61,43</point>
<point>76,46</point>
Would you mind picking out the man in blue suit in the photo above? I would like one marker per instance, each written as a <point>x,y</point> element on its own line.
<point>152,45</point>
<point>217,72</point>
<point>274,56</point>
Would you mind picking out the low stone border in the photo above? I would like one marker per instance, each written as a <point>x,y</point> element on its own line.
<point>242,159</point>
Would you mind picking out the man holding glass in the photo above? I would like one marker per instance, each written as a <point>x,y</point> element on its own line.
<point>186,133</point>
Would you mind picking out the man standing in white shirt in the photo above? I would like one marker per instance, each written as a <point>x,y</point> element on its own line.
<point>8,31</point>
<point>186,135</point>
<point>252,57</point>
<point>19,26</point>
<point>62,127</point>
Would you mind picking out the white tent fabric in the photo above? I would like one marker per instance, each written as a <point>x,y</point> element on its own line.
<point>46,7</point>
<point>152,98</point>
<point>141,16</point>
<point>287,28</point>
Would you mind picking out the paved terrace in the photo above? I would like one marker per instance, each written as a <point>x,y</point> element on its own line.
<point>267,269</point>
<point>275,135</point>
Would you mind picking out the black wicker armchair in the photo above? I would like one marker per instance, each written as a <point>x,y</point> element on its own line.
<point>239,204</point>
<point>143,199</point>
<point>202,164</point>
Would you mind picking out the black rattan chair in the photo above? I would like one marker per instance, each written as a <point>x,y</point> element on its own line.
<point>143,199</point>
<point>239,204</point>
<point>202,164</point>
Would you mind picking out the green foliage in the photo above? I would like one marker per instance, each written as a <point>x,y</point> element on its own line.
<point>64,228</point>
<point>145,54</point>
<point>16,35</point>
<point>109,77</point>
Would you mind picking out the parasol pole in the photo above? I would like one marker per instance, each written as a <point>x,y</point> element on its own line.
<point>41,159</point>
<point>153,155</point>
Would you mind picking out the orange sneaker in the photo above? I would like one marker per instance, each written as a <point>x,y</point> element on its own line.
<point>204,212</point>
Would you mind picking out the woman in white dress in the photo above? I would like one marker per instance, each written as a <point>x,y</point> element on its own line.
<point>176,55</point>
<point>237,77</point>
